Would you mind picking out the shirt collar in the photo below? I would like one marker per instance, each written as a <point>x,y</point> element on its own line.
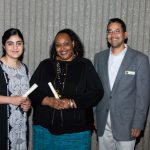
<point>122,52</point>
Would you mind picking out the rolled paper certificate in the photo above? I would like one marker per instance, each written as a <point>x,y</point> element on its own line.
<point>32,88</point>
<point>53,90</point>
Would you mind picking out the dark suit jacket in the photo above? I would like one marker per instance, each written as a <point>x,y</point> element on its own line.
<point>129,99</point>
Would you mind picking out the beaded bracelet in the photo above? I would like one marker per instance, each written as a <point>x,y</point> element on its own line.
<point>71,103</point>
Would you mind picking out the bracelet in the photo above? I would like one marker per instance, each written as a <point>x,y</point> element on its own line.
<point>71,103</point>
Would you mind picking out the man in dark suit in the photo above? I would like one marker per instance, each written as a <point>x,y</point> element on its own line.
<point>125,75</point>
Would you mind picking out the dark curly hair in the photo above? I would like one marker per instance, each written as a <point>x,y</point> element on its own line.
<point>78,46</point>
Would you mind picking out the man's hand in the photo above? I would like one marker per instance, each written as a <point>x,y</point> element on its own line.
<point>135,132</point>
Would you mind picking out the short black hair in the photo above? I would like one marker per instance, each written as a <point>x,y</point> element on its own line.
<point>117,20</point>
<point>123,26</point>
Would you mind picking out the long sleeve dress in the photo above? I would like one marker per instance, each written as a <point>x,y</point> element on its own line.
<point>13,129</point>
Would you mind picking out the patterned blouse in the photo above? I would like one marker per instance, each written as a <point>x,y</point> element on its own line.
<point>17,84</point>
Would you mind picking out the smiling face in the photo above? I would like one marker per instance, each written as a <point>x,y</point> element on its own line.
<point>14,47</point>
<point>116,36</point>
<point>64,47</point>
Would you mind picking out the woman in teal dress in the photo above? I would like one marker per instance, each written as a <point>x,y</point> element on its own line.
<point>65,123</point>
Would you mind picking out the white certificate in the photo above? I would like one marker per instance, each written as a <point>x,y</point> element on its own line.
<point>31,89</point>
<point>53,90</point>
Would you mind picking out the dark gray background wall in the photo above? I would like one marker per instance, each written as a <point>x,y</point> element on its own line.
<point>40,20</point>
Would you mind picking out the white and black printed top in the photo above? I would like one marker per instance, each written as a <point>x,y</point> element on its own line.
<point>17,84</point>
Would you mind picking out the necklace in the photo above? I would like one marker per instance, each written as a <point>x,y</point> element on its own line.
<point>10,63</point>
<point>61,74</point>
<point>59,84</point>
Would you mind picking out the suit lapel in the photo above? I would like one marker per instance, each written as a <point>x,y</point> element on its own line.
<point>105,68</point>
<point>127,60</point>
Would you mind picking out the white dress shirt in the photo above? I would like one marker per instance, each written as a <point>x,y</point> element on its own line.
<point>114,63</point>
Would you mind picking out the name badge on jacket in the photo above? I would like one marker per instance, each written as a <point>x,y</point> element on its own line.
<point>130,72</point>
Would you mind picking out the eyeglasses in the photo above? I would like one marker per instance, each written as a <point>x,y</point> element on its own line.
<point>117,31</point>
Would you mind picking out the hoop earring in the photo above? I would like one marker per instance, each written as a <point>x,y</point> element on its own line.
<point>76,53</point>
